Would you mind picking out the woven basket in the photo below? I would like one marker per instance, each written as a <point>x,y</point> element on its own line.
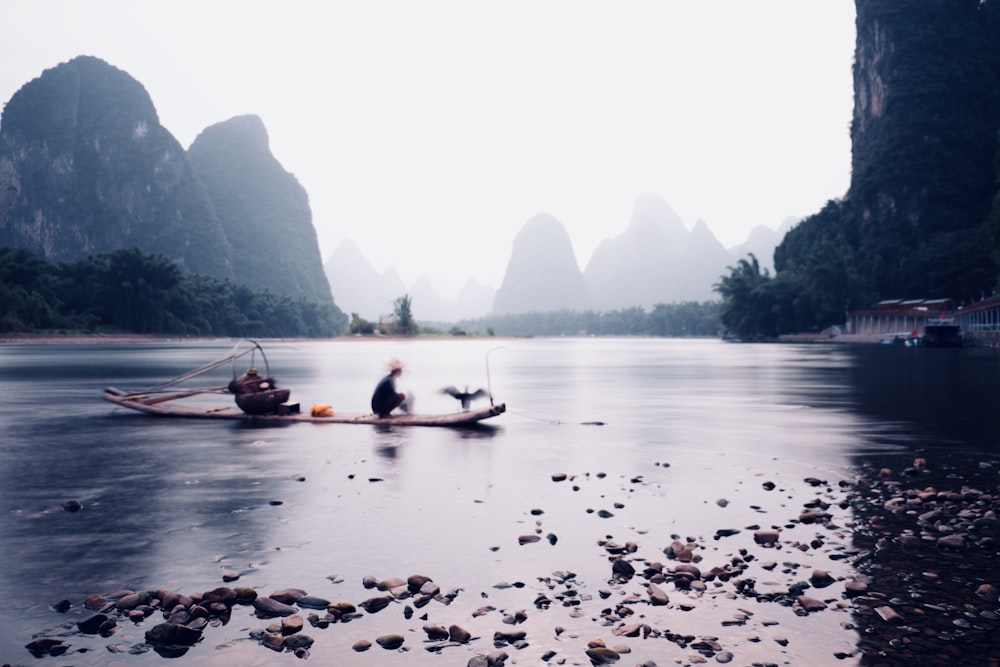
<point>262,402</point>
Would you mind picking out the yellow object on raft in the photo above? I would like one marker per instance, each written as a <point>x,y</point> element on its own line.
<point>322,411</point>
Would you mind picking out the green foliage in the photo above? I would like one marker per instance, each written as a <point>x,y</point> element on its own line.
<point>360,326</point>
<point>684,319</point>
<point>129,291</point>
<point>921,218</point>
<point>403,323</point>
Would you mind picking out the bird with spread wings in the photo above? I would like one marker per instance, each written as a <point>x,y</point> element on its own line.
<point>464,397</point>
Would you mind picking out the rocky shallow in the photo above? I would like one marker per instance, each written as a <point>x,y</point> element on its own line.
<point>908,566</point>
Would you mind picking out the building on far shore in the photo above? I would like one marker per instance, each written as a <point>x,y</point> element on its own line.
<point>898,317</point>
<point>979,322</point>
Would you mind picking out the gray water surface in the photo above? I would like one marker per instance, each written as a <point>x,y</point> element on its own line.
<point>686,423</point>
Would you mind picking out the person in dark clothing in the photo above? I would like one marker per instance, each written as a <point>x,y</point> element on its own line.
<point>385,398</point>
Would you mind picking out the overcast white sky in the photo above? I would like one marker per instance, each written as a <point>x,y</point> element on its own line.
<point>430,131</point>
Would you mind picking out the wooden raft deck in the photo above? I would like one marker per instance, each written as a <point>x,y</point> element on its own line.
<point>148,405</point>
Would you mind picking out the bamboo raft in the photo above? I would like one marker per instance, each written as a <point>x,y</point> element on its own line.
<point>260,401</point>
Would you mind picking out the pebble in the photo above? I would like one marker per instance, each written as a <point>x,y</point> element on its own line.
<point>268,606</point>
<point>390,642</point>
<point>602,656</point>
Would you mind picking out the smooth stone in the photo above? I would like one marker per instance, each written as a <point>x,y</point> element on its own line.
<point>390,642</point>
<point>390,583</point>
<point>457,633</point>
<point>172,634</point>
<point>657,596</point>
<point>821,578</point>
<point>288,595</point>
<point>435,632</point>
<point>220,594</point>
<point>273,641</point>
<point>809,604</point>
<point>92,625</point>
<point>131,601</point>
<point>45,646</point>
<point>528,539</point>
<point>376,604</point>
<point>602,656</point>
<point>622,567</point>
<point>271,607</point>
<point>417,581</point>
<point>312,602</point>
<point>94,602</point>
<point>888,614</point>
<point>430,589</point>
<point>299,641</point>
<point>292,624</point>
<point>362,645</point>
<point>766,536</point>
<point>951,542</point>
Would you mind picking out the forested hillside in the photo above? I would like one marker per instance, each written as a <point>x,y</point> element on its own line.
<point>86,170</point>
<point>129,291</point>
<point>920,219</point>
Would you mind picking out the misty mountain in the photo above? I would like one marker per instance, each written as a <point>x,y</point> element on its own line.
<point>656,260</point>
<point>263,210</point>
<point>762,242</point>
<point>86,168</point>
<point>542,273</point>
<point>358,288</point>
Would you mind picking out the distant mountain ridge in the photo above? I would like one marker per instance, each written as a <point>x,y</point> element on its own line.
<point>655,260</point>
<point>86,168</point>
<point>263,210</point>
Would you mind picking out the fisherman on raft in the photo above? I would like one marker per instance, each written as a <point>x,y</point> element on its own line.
<point>385,399</point>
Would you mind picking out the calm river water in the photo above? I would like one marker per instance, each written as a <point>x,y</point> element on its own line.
<point>695,436</point>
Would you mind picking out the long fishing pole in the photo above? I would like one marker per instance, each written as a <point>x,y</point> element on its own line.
<point>489,386</point>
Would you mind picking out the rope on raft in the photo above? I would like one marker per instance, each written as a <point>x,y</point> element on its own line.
<point>201,370</point>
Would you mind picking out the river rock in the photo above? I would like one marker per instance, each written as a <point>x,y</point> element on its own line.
<point>457,633</point>
<point>292,624</point>
<point>270,607</point>
<point>951,542</point>
<point>622,568</point>
<point>888,614</point>
<point>299,641</point>
<point>288,595</point>
<point>435,632</point>
<point>657,596</point>
<point>93,624</point>
<point>361,645</point>
<point>417,581</point>
<point>390,642</point>
<point>95,602</point>
<point>132,600</point>
<point>273,641</point>
<point>312,602</point>
<point>390,583</point>
<point>223,594</point>
<point>821,578</point>
<point>602,656</point>
<point>172,634</point>
<point>375,604</point>
<point>46,646</point>
<point>809,604</point>
<point>766,537</point>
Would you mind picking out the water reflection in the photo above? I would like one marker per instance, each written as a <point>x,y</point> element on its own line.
<point>685,425</point>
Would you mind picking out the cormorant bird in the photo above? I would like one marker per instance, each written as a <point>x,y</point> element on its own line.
<point>465,397</point>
